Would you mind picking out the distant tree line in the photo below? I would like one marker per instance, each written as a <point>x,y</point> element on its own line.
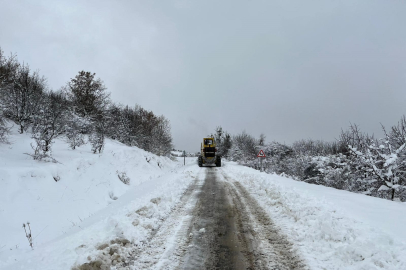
<point>356,161</point>
<point>81,109</point>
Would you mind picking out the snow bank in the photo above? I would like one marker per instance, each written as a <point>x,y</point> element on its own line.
<point>80,202</point>
<point>332,229</point>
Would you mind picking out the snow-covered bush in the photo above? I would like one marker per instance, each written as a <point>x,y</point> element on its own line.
<point>332,171</point>
<point>356,162</point>
<point>244,148</point>
<point>278,156</point>
<point>385,165</point>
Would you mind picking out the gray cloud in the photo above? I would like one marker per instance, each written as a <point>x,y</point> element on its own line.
<point>289,69</point>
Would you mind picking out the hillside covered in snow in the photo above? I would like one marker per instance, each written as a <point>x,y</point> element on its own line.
<point>63,198</point>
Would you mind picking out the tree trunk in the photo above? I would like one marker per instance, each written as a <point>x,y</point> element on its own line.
<point>393,194</point>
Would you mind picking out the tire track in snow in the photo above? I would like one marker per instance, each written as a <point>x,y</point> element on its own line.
<point>217,225</point>
<point>270,247</point>
<point>216,242</point>
<point>160,252</point>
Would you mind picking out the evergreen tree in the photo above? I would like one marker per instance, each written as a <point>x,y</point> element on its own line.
<point>87,94</point>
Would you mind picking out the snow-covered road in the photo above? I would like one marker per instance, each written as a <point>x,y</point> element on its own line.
<point>216,225</point>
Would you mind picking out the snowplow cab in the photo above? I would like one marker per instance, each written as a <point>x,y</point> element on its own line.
<point>208,153</point>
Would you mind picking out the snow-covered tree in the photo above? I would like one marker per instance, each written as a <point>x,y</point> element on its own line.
<point>355,138</point>
<point>226,145</point>
<point>218,136</point>
<point>161,137</point>
<point>4,130</point>
<point>87,94</point>
<point>261,141</point>
<point>49,123</point>
<point>223,141</point>
<point>385,164</point>
<point>397,135</point>
<point>244,147</point>
<point>21,93</point>
<point>74,129</point>
<point>235,152</point>
<point>97,137</point>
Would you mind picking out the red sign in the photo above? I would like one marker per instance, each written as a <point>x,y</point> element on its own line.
<point>261,154</point>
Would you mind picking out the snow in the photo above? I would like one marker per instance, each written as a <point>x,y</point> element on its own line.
<point>383,187</point>
<point>89,205</point>
<point>90,215</point>
<point>332,229</point>
<point>177,153</point>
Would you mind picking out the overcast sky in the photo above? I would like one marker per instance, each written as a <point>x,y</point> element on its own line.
<point>289,69</point>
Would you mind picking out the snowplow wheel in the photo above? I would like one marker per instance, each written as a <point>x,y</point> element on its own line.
<point>218,162</point>
<point>200,161</point>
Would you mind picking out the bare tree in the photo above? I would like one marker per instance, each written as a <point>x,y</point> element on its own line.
<point>355,138</point>
<point>97,137</point>
<point>21,95</point>
<point>398,133</point>
<point>8,69</point>
<point>49,123</point>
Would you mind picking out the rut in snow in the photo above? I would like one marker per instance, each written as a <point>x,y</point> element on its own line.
<point>231,231</point>
<point>217,225</point>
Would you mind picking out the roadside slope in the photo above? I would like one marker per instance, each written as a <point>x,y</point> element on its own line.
<point>62,201</point>
<point>322,225</point>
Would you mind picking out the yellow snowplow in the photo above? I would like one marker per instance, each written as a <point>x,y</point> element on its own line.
<point>208,153</point>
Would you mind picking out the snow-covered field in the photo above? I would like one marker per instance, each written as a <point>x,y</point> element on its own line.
<point>78,209</point>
